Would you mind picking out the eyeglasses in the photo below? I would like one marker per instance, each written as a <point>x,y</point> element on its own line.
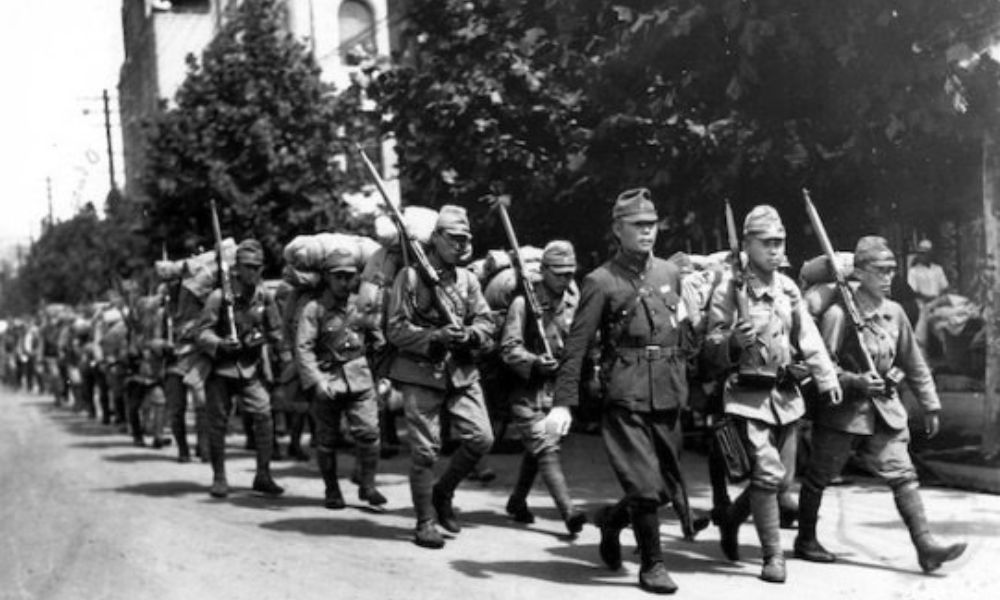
<point>456,239</point>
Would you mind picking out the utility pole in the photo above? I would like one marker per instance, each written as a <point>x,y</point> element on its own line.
<point>107,136</point>
<point>48,195</point>
<point>990,445</point>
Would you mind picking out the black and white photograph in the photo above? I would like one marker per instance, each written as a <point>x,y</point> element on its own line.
<point>500,299</point>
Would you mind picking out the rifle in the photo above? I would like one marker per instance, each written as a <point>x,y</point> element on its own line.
<point>500,203</point>
<point>225,283</point>
<point>845,290</point>
<point>168,318</point>
<point>411,247</point>
<point>739,275</point>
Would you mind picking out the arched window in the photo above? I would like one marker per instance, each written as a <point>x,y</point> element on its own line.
<point>357,31</point>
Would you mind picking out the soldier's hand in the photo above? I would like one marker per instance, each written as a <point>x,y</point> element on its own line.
<point>869,383</point>
<point>456,336</point>
<point>834,396</point>
<point>744,335</point>
<point>546,365</point>
<point>932,424</point>
<point>558,420</point>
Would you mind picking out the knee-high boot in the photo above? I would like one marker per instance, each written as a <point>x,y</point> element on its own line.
<point>463,461</point>
<point>764,506</point>
<point>327,461</point>
<point>517,504</point>
<point>555,481</point>
<point>216,454</point>
<point>729,520</point>
<point>263,432</point>
<point>930,554</point>
<point>653,574</point>
<point>611,519</point>
<point>421,492</point>
<point>807,546</point>
<point>368,462</point>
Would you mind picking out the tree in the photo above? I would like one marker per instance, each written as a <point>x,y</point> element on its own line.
<point>567,102</point>
<point>255,128</point>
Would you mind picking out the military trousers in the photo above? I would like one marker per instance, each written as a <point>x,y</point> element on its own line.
<point>886,453</point>
<point>643,450</point>
<point>361,411</point>
<point>423,407</point>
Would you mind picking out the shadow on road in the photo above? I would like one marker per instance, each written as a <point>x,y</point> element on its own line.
<point>333,527</point>
<point>135,457</point>
<point>161,489</point>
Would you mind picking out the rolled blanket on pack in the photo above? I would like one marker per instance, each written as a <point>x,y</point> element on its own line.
<point>420,223</point>
<point>817,270</point>
<point>304,255</point>
<point>201,273</point>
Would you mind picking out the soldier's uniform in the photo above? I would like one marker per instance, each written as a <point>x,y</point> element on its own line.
<point>332,341</point>
<point>433,377</point>
<point>759,394</point>
<point>873,426</point>
<point>633,301</point>
<point>236,373</point>
<point>147,380</point>
<point>185,311</point>
<point>531,395</point>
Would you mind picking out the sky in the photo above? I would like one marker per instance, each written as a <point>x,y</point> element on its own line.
<point>56,57</point>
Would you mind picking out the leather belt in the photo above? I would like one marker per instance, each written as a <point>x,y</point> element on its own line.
<point>651,352</point>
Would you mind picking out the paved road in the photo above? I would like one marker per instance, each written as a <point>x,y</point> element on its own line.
<point>85,515</point>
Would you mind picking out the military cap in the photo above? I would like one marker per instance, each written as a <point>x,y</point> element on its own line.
<point>250,252</point>
<point>873,250</point>
<point>634,206</point>
<point>925,245</point>
<point>340,260</point>
<point>453,220</point>
<point>764,222</point>
<point>559,257</point>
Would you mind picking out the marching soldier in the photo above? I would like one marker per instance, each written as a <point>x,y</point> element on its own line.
<point>332,342</point>
<point>236,366</point>
<point>872,420</point>
<point>531,398</point>
<point>435,370</point>
<point>633,301</point>
<point>760,396</point>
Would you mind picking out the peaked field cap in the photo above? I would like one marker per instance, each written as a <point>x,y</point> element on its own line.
<point>763,221</point>
<point>340,260</point>
<point>250,252</point>
<point>634,206</point>
<point>559,257</point>
<point>924,245</point>
<point>454,220</point>
<point>874,250</point>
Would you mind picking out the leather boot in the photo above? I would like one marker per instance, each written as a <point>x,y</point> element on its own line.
<point>248,432</point>
<point>611,520</point>
<point>764,506</point>
<point>517,504</point>
<point>807,547</point>
<point>788,510</point>
<point>728,520</point>
<point>297,422</point>
<point>327,461</point>
<point>653,576</point>
<point>462,463</point>
<point>427,535</point>
<point>217,456</point>
<point>555,481</point>
<point>930,554</point>
<point>201,433</point>
<point>368,461</point>
<point>263,433</point>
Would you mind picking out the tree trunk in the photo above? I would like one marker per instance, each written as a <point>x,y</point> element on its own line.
<point>991,294</point>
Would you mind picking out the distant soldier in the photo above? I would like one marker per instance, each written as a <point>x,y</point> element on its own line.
<point>236,366</point>
<point>154,352</point>
<point>872,421</point>
<point>435,370</point>
<point>531,397</point>
<point>333,340</point>
<point>760,395</point>
<point>633,301</point>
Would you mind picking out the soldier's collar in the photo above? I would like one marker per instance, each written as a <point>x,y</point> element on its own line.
<point>869,310</point>
<point>329,302</point>
<point>635,262</point>
<point>759,288</point>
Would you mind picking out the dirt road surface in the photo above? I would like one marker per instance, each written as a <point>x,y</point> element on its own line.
<point>85,515</point>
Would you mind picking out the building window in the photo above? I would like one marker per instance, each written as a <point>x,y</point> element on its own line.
<point>357,31</point>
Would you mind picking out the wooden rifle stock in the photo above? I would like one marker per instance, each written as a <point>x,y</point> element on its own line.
<point>225,282</point>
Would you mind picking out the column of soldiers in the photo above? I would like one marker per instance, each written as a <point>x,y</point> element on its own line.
<point>636,317</point>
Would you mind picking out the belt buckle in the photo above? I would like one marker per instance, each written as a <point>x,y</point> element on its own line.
<point>653,352</point>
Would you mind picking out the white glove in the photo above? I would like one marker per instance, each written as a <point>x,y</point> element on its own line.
<point>558,420</point>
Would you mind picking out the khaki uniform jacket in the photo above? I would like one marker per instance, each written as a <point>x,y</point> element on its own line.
<point>331,340</point>
<point>413,317</point>
<point>521,347</point>
<point>784,328</point>
<point>634,304</point>
<point>256,315</point>
<point>890,342</point>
